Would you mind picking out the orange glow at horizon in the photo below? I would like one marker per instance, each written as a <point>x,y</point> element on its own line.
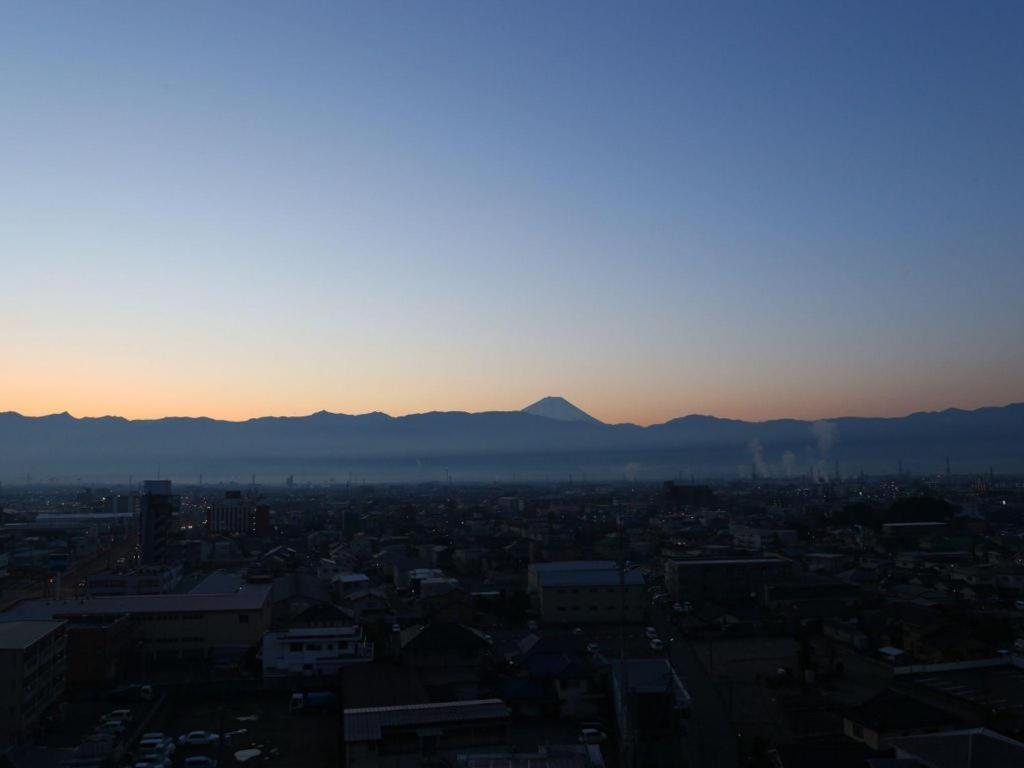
<point>138,397</point>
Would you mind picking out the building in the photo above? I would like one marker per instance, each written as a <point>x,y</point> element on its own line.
<point>746,537</point>
<point>591,596</point>
<point>891,715</point>
<point>237,513</point>
<point>535,570</point>
<point>144,580</point>
<point>411,735</point>
<point>175,626</point>
<point>99,650</point>
<point>156,509</point>
<point>312,651</point>
<point>969,748</point>
<point>448,657</point>
<point>546,756</point>
<point>33,666</point>
<point>716,579</point>
<point>652,712</point>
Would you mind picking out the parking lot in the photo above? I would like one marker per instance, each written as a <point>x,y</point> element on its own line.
<point>250,720</point>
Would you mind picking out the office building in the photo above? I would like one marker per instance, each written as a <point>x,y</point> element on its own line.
<point>156,510</point>
<point>238,513</point>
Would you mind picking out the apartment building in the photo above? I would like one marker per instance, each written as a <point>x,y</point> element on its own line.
<point>33,667</point>
<point>591,597</point>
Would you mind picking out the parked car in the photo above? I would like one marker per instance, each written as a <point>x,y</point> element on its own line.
<point>135,692</point>
<point>593,647</point>
<point>152,762</point>
<point>124,715</point>
<point>591,736</point>
<point>160,746</point>
<point>657,645</point>
<point>113,727</point>
<point>200,761</point>
<point>198,738</point>
<point>651,633</point>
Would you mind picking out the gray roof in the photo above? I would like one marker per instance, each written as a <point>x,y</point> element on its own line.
<point>218,582</point>
<point>972,748</point>
<point>650,676</point>
<point>589,579</point>
<point>251,597</point>
<point>367,724</point>
<point>18,635</point>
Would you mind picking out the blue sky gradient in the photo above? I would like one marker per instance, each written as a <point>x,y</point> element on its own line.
<point>748,209</point>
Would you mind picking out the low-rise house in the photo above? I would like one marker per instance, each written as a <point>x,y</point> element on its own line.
<point>891,715</point>
<point>450,658</point>
<point>314,651</point>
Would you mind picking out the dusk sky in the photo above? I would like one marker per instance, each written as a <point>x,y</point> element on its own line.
<point>753,210</point>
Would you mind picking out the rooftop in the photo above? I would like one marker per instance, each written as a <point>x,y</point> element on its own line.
<point>972,748</point>
<point>251,597</point>
<point>574,565</point>
<point>590,579</point>
<point>18,635</point>
<point>368,723</point>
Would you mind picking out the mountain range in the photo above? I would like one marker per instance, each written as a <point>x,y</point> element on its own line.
<point>550,439</point>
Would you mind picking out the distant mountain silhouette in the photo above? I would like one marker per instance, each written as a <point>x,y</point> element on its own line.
<point>559,408</point>
<point>550,439</point>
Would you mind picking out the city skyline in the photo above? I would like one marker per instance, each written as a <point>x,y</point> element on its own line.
<point>743,210</point>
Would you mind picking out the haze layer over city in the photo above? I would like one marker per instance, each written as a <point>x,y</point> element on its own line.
<point>519,385</point>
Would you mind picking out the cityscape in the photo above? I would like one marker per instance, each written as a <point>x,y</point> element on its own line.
<point>493,384</point>
<point>751,621</point>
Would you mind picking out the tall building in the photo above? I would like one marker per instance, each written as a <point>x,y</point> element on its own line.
<point>652,711</point>
<point>156,508</point>
<point>237,513</point>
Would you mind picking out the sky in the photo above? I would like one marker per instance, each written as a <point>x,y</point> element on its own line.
<point>752,210</point>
